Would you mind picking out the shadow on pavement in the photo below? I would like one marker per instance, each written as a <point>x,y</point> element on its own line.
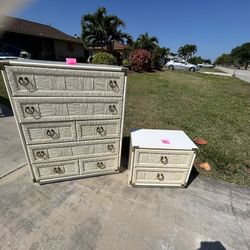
<point>213,245</point>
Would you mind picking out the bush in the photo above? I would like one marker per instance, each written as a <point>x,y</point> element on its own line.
<point>125,63</point>
<point>157,58</point>
<point>104,58</point>
<point>140,60</point>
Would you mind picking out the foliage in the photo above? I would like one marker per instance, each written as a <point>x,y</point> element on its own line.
<point>140,60</point>
<point>224,59</point>
<point>125,63</point>
<point>158,57</point>
<point>102,30</point>
<point>187,51</point>
<point>104,58</point>
<point>241,54</point>
<point>196,60</point>
<point>144,41</point>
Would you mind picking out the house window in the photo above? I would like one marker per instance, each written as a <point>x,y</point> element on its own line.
<point>70,47</point>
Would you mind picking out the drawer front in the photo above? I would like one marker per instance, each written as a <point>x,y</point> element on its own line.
<point>29,81</point>
<point>67,151</point>
<point>159,176</point>
<point>56,170</point>
<point>97,165</point>
<point>163,158</point>
<point>36,133</point>
<point>101,129</point>
<point>61,109</point>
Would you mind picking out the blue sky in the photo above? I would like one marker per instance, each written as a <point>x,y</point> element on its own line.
<point>214,26</point>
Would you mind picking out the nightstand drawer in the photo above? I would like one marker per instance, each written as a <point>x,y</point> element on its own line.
<point>98,165</point>
<point>72,150</point>
<point>56,170</point>
<point>163,158</point>
<point>36,133</point>
<point>26,81</point>
<point>159,176</point>
<point>61,109</point>
<point>99,129</point>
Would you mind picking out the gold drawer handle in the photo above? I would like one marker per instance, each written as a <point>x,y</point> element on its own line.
<point>101,131</point>
<point>160,177</point>
<point>101,165</point>
<point>112,108</point>
<point>110,147</point>
<point>164,160</point>
<point>40,154</point>
<point>58,170</point>
<point>50,132</point>
<point>29,110</point>
<point>23,81</point>
<point>113,84</point>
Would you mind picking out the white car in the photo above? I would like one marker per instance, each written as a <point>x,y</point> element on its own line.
<point>181,64</point>
<point>205,65</point>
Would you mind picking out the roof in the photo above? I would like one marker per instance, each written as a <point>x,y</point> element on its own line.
<point>117,46</point>
<point>21,26</point>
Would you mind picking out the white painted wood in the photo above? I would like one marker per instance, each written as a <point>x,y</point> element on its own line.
<point>154,138</point>
<point>156,165</point>
<point>58,108</point>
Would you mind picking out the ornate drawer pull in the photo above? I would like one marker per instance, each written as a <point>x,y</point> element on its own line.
<point>101,165</point>
<point>23,81</point>
<point>164,160</point>
<point>40,154</point>
<point>29,110</point>
<point>112,108</point>
<point>160,177</point>
<point>50,132</point>
<point>110,147</point>
<point>58,170</point>
<point>100,130</point>
<point>113,84</point>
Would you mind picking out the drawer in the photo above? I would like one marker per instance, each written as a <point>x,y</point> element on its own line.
<point>100,129</point>
<point>163,158</point>
<point>30,81</point>
<point>159,176</point>
<point>98,165</point>
<point>35,133</point>
<point>72,150</point>
<point>56,170</point>
<point>69,108</point>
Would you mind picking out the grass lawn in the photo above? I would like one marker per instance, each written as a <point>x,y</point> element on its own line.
<point>215,108</point>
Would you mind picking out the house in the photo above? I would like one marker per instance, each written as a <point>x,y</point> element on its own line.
<point>118,47</point>
<point>42,41</point>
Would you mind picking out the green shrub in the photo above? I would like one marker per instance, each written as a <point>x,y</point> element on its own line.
<point>125,63</point>
<point>140,60</point>
<point>104,58</point>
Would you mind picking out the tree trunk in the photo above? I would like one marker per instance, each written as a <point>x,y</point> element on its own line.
<point>246,66</point>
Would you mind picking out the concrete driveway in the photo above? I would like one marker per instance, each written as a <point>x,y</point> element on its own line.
<point>105,213</point>
<point>241,74</point>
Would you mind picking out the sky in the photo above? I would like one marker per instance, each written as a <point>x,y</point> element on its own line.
<point>215,26</point>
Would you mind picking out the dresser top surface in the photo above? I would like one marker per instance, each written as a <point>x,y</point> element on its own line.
<point>161,139</point>
<point>62,65</point>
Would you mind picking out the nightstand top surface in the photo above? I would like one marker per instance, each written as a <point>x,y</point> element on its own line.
<point>161,139</point>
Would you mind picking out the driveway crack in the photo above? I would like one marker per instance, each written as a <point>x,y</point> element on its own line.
<point>236,218</point>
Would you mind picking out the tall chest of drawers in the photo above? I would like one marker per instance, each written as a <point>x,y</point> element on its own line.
<point>70,117</point>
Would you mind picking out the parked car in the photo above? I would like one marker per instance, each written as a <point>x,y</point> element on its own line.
<point>182,65</point>
<point>205,65</point>
<point>13,52</point>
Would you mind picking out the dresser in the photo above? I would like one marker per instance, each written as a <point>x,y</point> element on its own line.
<point>160,158</point>
<point>70,117</point>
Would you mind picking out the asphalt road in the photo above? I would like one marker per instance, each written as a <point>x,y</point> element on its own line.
<point>239,73</point>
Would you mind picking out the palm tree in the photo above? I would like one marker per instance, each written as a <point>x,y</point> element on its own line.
<point>187,51</point>
<point>144,41</point>
<point>102,30</point>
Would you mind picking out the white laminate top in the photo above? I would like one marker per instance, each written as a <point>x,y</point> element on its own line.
<point>161,139</point>
<point>57,64</point>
